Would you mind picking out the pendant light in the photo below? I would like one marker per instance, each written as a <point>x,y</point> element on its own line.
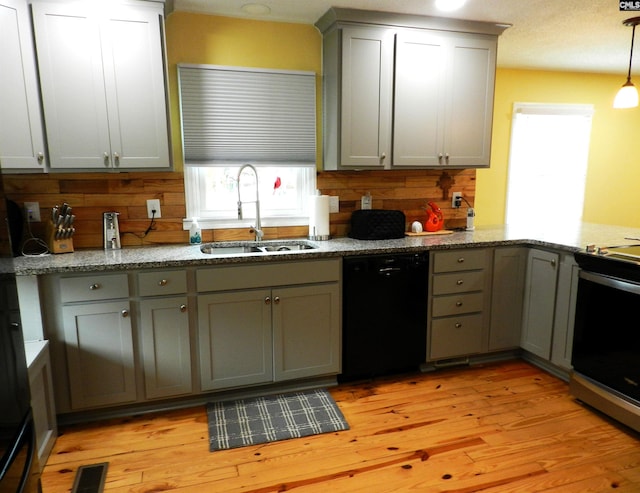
<point>627,96</point>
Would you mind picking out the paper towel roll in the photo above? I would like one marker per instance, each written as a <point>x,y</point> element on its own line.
<point>319,217</point>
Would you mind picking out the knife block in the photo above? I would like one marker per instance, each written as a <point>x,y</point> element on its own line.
<point>59,245</point>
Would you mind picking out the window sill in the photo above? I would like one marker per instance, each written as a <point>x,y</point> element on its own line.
<point>247,223</point>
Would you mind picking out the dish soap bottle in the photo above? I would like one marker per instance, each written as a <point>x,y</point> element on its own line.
<point>195,233</point>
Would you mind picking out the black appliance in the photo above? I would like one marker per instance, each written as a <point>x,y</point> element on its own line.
<point>384,314</point>
<point>19,470</point>
<point>606,343</point>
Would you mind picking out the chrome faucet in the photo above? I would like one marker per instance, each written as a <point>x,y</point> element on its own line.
<point>257,229</point>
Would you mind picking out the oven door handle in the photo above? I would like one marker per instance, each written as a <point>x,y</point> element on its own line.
<point>611,282</point>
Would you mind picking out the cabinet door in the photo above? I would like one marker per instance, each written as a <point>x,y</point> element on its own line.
<point>507,295</point>
<point>443,106</point>
<point>166,351</point>
<point>135,88</point>
<point>419,99</point>
<point>100,361</point>
<point>21,132</point>
<point>539,302</point>
<point>562,345</point>
<point>235,340</point>
<point>367,79</point>
<point>306,331</point>
<point>469,112</point>
<point>103,90</point>
<point>73,89</point>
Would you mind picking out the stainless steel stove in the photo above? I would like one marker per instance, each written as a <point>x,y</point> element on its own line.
<point>606,344</point>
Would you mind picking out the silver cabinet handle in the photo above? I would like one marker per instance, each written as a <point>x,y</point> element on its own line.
<point>106,158</point>
<point>458,325</point>
<point>440,158</point>
<point>459,282</point>
<point>383,156</point>
<point>125,313</point>
<point>95,286</point>
<point>446,158</point>
<point>183,308</point>
<point>458,303</point>
<point>553,263</point>
<point>116,158</point>
<point>461,260</point>
<point>40,157</point>
<point>163,282</point>
<point>276,300</point>
<point>267,300</point>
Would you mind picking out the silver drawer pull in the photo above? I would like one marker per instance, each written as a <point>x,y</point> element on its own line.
<point>458,303</point>
<point>267,300</point>
<point>276,300</point>
<point>459,282</point>
<point>125,313</point>
<point>183,308</point>
<point>458,325</point>
<point>461,260</point>
<point>95,286</point>
<point>40,156</point>
<point>163,282</point>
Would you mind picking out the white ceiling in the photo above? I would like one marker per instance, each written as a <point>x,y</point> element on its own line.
<point>573,35</point>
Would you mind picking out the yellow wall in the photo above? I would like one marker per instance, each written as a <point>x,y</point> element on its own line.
<point>213,40</point>
<point>614,157</point>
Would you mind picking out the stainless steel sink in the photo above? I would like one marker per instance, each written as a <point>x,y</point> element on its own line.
<point>266,247</point>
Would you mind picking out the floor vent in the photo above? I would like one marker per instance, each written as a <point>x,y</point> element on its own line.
<point>90,479</point>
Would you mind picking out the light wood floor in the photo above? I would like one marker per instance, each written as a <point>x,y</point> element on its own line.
<point>505,427</point>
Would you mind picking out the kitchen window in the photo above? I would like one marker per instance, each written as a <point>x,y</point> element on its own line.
<point>232,116</point>
<point>548,163</point>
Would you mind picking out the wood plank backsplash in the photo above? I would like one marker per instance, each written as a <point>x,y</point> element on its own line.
<point>91,194</point>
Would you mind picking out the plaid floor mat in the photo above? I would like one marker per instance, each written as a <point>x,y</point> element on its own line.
<point>268,419</point>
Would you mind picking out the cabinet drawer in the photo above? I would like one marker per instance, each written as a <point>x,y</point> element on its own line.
<point>163,282</point>
<point>459,260</point>
<point>457,304</point>
<point>92,288</point>
<point>456,336</point>
<point>458,282</point>
<point>276,274</point>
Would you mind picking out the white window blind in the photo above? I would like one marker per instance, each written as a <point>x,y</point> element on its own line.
<point>235,115</point>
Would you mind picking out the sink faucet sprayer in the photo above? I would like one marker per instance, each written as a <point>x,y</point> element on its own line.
<point>258,227</point>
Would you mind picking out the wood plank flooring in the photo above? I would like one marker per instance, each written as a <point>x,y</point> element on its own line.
<point>500,428</point>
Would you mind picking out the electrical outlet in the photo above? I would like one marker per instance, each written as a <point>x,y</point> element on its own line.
<point>334,204</point>
<point>153,205</point>
<point>32,210</point>
<point>456,200</point>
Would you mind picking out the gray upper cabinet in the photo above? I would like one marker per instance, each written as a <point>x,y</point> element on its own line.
<point>406,92</point>
<point>362,136</point>
<point>103,85</point>
<point>21,130</point>
<point>443,101</point>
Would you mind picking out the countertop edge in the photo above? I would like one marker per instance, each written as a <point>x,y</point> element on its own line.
<point>179,256</point>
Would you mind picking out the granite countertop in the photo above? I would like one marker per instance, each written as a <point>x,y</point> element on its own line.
<point>560,236</point>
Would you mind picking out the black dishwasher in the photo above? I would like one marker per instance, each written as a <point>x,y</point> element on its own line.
<point>384,308</point>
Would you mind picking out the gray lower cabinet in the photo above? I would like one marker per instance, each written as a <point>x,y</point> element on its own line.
<point>266,323</point>
<point>540,302</point>
<point>165,345</point>
<point>306,331</point>
<point>459,288</point>
<point>164,333</point>
<point>549,307</point>
<point>507,297</point>
<point>234,338</point>
<point>99,350</point>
